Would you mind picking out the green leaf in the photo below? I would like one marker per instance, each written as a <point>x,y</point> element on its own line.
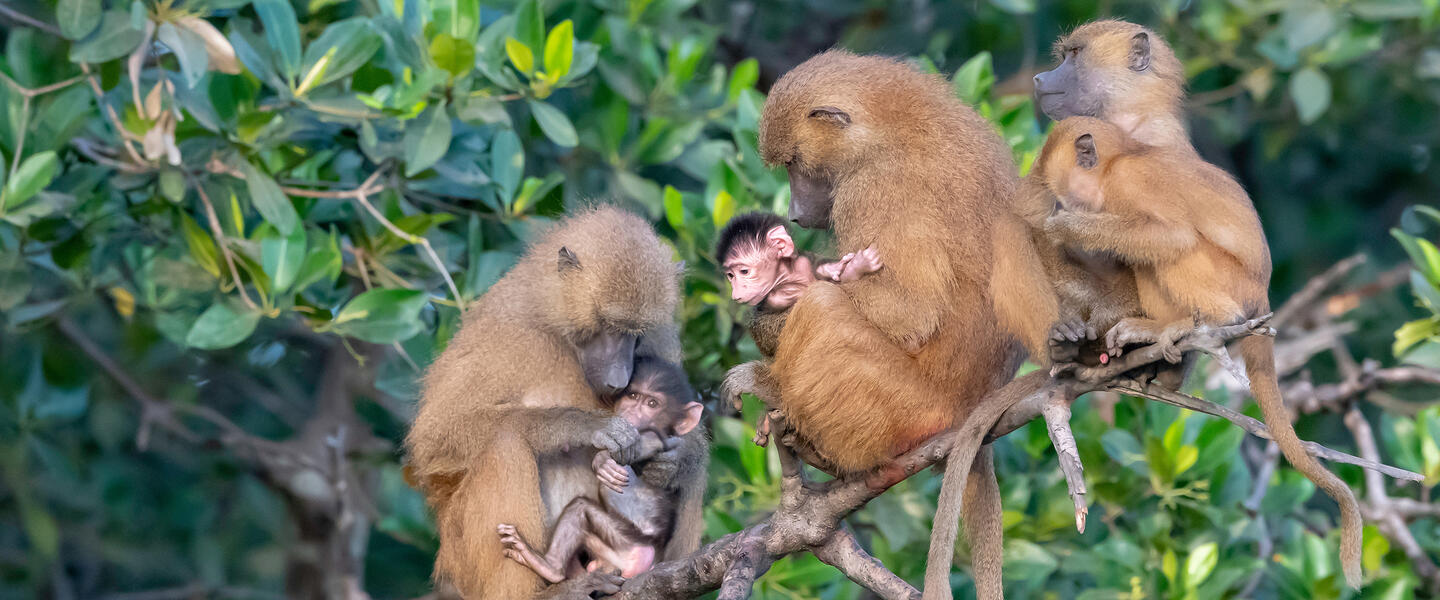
<point>684,58</point>
<point>560,49</point>
<point>282,30</point>
<point>353,41</point>
<point>453,54</point>
<point>457,18</point>
<point>973,79</point>
<point>382,316</point>
<point>507,163</point>
<point>322,262</point>
<point>115,38</point>
<point>77,18</point>
<point>33,175</point>
<point>427,139</point>
<point>1374,550</point>
<point>520,55</point>
<point>1413,333</point>
<point>282,257</point>
<point>723,210</point>
<point>1200,564</point>
<point>744,77</point>
<point>221,327</point>
<point>1028,562</point>
<point>189,49</point>
<point>1377,10</point>
<point>269,200</point>
<point>1310,89</point>
<point>530,24</point>
<point>1425,291</point>
<point>674,208</point>
<point>1185,458</point>
<point>202,246</point>
<point>554,123</point>
<point>1015,7</point>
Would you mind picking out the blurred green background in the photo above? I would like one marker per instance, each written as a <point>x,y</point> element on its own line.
<point>233,233</point>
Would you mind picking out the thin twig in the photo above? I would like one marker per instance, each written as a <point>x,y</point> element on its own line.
<point>413,239</point>
<point>110,114</point>
<point>1255,426</point>
<point>222,241</point>
<point>27,20</point>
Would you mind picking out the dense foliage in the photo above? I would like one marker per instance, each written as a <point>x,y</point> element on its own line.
<point>222,197</point>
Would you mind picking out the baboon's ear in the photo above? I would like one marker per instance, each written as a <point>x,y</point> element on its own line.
<point>567,261</point>
<point>830,114</point>
<point>1140,52</point>
<point>1085,155</point>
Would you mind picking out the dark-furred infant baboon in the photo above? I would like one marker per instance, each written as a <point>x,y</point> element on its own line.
<point>629,526</point>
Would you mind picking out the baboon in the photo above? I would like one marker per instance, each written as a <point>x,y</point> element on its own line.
<point>867,369</point>
<point>516,398</point>
<point>1123,73</point>
<point>766,271</point>
<point>1194,241</point>
<point>630,525</point>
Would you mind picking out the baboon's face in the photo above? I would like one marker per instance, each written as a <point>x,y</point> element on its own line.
<point>608,358</point>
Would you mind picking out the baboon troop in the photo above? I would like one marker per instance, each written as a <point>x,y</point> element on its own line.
<point>561,392</point>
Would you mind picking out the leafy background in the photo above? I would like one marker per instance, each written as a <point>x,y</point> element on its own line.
<point>211,209</point>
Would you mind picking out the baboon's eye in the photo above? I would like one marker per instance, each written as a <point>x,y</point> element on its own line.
<point>634,395</point>
<point>654,403</point>
<point>744,271</point>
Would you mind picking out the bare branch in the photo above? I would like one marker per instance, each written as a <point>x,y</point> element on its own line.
<point>1057,419</point>
<point>843,552</point>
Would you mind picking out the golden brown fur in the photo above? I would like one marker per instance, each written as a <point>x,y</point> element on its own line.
<point>1037,283</point>
<point>507,406</point>
<point>1198,251</point>
<point>868,369</point>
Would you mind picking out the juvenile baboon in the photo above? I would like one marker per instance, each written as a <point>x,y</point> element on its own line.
<point>511,411</point>
<point>868,369</point>
<point>1191,235</point>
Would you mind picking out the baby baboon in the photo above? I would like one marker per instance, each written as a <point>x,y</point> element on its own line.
<point>629,526</point>
<point>765,271</point>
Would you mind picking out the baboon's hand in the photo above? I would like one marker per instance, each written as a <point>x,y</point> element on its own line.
<point>739,380</point>
<point>862,263</point>
<point>610,473</point>
<point>1065,338</point>
<point>661,469</point>
<point>830,271</point>
<point>619,438</point>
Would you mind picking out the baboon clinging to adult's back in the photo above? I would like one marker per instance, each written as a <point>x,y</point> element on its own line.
<point>510,415</point>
